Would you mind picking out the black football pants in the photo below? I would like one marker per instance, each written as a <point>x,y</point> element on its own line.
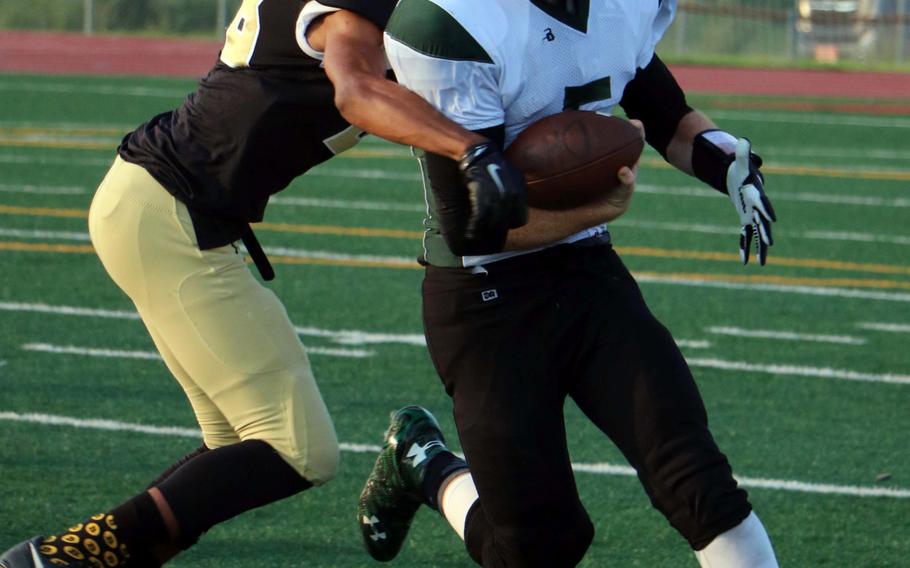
<point>511,344</point>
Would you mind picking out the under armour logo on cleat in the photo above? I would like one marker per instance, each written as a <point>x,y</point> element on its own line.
<point>489,295</point>
<point>419,453</point>
<point>373,521</point>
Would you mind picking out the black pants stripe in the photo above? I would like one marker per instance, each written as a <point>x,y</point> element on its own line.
<point>511,344</point>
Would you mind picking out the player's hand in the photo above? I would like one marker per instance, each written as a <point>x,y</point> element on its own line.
<point>621,197</point>
<point>497,192</point>
<point>745,185</point>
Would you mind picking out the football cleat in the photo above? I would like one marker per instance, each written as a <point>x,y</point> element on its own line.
<point>393,491</point>
<point>28,555</point>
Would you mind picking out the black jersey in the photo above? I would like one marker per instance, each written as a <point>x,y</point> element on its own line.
<point>261,117</point>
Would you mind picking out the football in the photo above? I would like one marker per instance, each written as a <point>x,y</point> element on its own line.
<point>572,157</point>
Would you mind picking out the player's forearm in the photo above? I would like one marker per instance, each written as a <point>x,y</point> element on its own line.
<point>679,151</point>
<point>548,226</point>
<point>390,111</point>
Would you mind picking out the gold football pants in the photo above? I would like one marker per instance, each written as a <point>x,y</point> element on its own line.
<point>225,337</point>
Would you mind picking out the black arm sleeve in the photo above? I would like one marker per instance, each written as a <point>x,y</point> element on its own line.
<point>453,207</point>
<point>655,98</point>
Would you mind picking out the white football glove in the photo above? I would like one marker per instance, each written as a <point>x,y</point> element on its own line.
<point>745,187</point>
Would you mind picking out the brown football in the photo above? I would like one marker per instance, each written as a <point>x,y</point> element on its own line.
<point>572,157</point>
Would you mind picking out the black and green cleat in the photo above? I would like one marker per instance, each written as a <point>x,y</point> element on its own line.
<point>393,491</point>
<point>28,555</point>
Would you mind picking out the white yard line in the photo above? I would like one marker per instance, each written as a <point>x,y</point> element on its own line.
<point>883,326</point>
<point>326,255</point>
<point>822,198</point>
<point>57,160</point>
<point>799,371</point>
<point>353,337</point>
<point>592,468</point>
<point>117,90</point>
<point>346,204</point>
<point>820,119</point>
<point>42,189</point>
<point>706,228</point>
<point>693,343</point>
<point>674,280</point>
<point>785,335</point>
<point>33,234</point>
<point>119,354</point>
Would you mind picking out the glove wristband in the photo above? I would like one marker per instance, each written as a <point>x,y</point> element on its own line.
<point>474,153</point>
<point>712,153</point>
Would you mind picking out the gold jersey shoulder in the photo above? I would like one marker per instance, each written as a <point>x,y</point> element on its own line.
<point>242,35</point>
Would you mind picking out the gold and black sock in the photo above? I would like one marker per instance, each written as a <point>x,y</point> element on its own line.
<point>122,537</point>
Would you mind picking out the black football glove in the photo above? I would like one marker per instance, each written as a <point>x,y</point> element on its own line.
<point>745,185</point>
<point>498,196</point>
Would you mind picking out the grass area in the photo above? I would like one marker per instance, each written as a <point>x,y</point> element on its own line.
<point>814,417</point>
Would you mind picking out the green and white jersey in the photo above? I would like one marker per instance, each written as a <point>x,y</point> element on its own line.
<point>485,63</point>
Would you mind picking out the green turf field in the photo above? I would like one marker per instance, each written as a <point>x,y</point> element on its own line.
<point>813,408</point>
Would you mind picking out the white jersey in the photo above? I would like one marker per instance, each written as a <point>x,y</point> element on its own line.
<point>485,63</point>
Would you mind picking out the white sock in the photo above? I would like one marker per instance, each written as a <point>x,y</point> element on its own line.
<point>744,546</point>
<point>458,495</point>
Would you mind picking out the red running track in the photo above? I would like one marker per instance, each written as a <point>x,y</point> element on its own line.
<point>64,53</point>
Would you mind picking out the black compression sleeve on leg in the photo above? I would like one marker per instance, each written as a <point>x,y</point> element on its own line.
<point>222,483</point>
<point>177,465</point>
<point>655,98</point>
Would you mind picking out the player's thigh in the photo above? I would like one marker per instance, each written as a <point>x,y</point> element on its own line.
<point>494,359</point>
<point>637,388</point>
<point>235,340</point>
<point>216,429</point>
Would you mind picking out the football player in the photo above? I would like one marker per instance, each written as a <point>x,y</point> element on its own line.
<point>167,221</point>
<point>513,330</point>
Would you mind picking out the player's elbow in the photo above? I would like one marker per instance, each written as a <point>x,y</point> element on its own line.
<point>352,96</point>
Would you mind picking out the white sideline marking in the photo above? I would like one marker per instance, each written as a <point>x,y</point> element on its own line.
<point>58,235</point>
<point>594,468</point>
<point>800,371</point>
<point>782,288</point>
<point>119,354</point>
<point>881,326</point>
<point>42,189</point>
<point>785,335</point>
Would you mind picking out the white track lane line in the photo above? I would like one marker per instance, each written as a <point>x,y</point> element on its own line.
<point>120,354</point>
<point>883,326</point>
<point>785,335</point>
<point>592,468</point>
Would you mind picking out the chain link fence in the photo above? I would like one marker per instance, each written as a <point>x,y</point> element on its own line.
<point>756,31</point>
